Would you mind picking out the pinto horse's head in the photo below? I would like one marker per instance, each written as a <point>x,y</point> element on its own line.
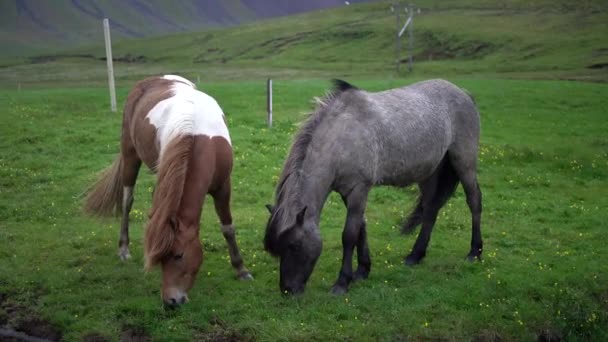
<point>179,252</point>
<point>298,245</point>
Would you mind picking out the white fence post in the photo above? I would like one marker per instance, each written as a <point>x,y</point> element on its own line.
<point>106,33</point>
<point>269,101</point>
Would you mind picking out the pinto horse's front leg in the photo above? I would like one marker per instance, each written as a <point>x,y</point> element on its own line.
<point>351,236</point>
<point>221,200</point>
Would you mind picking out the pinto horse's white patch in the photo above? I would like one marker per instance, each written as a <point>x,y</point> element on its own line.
<point>187,112</point>
<point>179,79</point>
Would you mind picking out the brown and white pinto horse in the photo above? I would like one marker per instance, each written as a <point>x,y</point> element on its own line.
<point>179,133</point>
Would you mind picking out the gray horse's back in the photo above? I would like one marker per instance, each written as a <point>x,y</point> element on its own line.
<point>400,136</point>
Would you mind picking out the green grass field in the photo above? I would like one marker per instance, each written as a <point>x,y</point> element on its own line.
<point>543,169</point>
<point>543,172</point>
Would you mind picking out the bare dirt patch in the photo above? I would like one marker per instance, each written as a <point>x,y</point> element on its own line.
<point>20,323</point>
<point>94,337</point>
<point>134,334</point>
<point>548,335</point>
<point>220,332</point>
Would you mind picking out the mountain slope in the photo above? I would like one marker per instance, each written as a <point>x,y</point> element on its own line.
<point>35,25</point>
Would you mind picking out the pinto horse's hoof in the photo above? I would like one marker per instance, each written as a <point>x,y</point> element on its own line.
<point>124,254</point>
<point>245,276</point>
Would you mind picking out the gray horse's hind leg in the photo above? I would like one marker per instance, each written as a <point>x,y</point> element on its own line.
<point>429,216</point>
<point>355,201</point>
<point>447,182</point>
<point>466,170</point>
<point>434,193</point>
<point>413,219</point>
<point>473,193</point>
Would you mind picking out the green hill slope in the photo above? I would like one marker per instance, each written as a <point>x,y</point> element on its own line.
<point>538,39</point>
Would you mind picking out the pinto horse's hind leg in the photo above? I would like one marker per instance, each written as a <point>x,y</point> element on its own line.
<point>355,202</point>
<point>131,165</point>
<point>221,200</point>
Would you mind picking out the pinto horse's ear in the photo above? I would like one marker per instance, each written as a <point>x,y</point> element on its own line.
<point>270,208</point>
<point>300,217</point>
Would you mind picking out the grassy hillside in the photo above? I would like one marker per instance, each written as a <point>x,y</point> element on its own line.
<point>541,39</point>
<point>543,171</point>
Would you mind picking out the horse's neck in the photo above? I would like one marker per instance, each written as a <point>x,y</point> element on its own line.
<point>196,186</point>
<point>314,189</point>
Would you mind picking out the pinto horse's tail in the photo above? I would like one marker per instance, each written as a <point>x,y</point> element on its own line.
<point>104,198</point>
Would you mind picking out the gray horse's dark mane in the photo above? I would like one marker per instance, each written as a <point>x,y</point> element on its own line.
<point>302,140</point>
<point>287,194</point>
<point>304,137</point>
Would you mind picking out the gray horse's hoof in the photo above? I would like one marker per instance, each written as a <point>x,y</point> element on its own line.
<point>473,258</point>
<point>360,275</point>
<point>338,290</point>
<point>412,260</point>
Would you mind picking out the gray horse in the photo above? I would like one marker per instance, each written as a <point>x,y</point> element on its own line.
<point>426,133</point>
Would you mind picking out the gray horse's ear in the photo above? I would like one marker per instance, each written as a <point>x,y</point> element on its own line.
<point>300,217</point>
<point>270,208</point>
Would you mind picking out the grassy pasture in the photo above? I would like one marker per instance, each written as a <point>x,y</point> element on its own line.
<point>543,170</point>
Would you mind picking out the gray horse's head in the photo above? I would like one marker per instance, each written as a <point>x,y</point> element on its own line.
<point>292,232</point>
<point>297,244</point>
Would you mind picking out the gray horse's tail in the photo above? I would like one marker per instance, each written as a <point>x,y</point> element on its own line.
<point>446,186</point>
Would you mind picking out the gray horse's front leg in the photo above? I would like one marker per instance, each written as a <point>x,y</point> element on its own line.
<point>363,259</point>
<point>355,202</point>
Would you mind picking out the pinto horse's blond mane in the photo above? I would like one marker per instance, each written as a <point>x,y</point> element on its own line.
<point>161,228</point>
